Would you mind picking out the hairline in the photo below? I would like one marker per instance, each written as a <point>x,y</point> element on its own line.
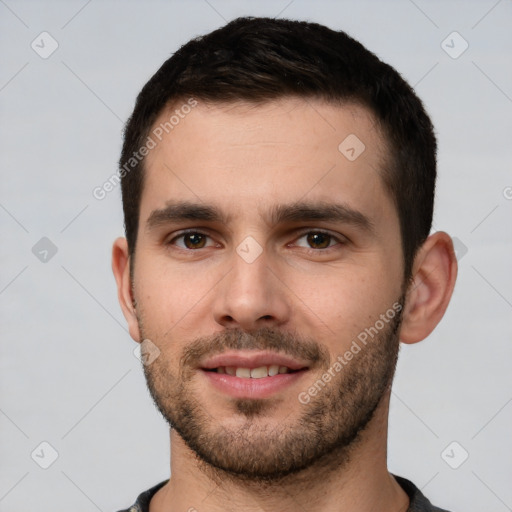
<point>388,163</point>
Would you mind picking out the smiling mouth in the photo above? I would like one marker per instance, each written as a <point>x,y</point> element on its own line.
<point>253,373</point>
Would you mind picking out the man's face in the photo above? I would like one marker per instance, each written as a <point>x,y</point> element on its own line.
<point>264,245</point>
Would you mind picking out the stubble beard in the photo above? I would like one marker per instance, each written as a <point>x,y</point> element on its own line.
<point>323,433</point>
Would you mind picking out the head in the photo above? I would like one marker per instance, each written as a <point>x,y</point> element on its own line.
<point>278,187</point>
<point>260,60</point>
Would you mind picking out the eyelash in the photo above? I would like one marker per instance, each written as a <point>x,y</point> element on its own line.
<point>185,233</point>
<point>335,240</point>
<point>338,240</point>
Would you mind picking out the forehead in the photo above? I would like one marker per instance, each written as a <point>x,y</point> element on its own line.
<point>248,157</point>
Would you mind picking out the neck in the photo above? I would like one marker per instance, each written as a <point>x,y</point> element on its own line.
<point>357,480</point>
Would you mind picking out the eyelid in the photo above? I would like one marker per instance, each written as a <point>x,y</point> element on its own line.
<point>182,233</point>
<point>341,239</point>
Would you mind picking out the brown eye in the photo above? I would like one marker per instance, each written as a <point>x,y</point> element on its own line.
<point>194,240</point>
<point>191,240</point>
<point>317,240</point>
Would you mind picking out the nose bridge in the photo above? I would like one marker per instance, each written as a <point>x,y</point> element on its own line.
<point>251,294</point>
<point>249,272</point>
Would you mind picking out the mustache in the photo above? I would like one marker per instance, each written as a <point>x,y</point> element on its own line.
<point>265,338</point>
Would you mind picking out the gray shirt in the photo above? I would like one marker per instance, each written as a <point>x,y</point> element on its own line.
<point>418,502</point>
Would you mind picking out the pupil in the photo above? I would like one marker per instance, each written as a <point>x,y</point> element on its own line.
<point>194,240</point>
<point>319,240</point>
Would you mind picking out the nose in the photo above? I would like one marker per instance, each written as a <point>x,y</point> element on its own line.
<point>251,296</point>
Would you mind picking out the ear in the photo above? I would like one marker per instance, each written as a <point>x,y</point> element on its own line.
<point>121,270</point>
<point>433,279</point>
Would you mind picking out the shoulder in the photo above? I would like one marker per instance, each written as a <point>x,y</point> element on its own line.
<point>142,502</point>
<point>418,502</point>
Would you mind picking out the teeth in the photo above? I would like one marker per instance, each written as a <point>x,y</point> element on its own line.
<point>254,373</point>
<point>243,372</point>
<point>258,373</point>
<point>273,370</point>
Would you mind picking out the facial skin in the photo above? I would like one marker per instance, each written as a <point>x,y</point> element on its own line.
<point>307,295</point>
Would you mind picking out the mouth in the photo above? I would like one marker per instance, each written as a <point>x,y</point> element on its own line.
<point>252,375</point>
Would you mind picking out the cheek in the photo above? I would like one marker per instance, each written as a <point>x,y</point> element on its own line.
<point>172,298</point>
<point>340,303</point>
<point>161,296</point>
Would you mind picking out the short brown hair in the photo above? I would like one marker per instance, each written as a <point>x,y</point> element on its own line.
<point>261,59</point>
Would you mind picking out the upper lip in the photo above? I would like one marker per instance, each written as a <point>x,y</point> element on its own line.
<point>252,359</point>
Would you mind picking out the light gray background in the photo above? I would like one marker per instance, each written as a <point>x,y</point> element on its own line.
<point>68,375</point>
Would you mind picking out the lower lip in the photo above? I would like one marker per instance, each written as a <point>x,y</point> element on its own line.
<point>239,387</point>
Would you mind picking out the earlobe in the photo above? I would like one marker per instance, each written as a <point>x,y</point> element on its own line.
<point>429,293</point>
<point>121,270</point>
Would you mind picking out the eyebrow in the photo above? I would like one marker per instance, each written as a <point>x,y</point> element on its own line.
<point>295,212</point>
<point>320,211</point>
<point>184,210</point>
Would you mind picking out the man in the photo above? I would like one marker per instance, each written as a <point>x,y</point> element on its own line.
<point>278,185</point>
